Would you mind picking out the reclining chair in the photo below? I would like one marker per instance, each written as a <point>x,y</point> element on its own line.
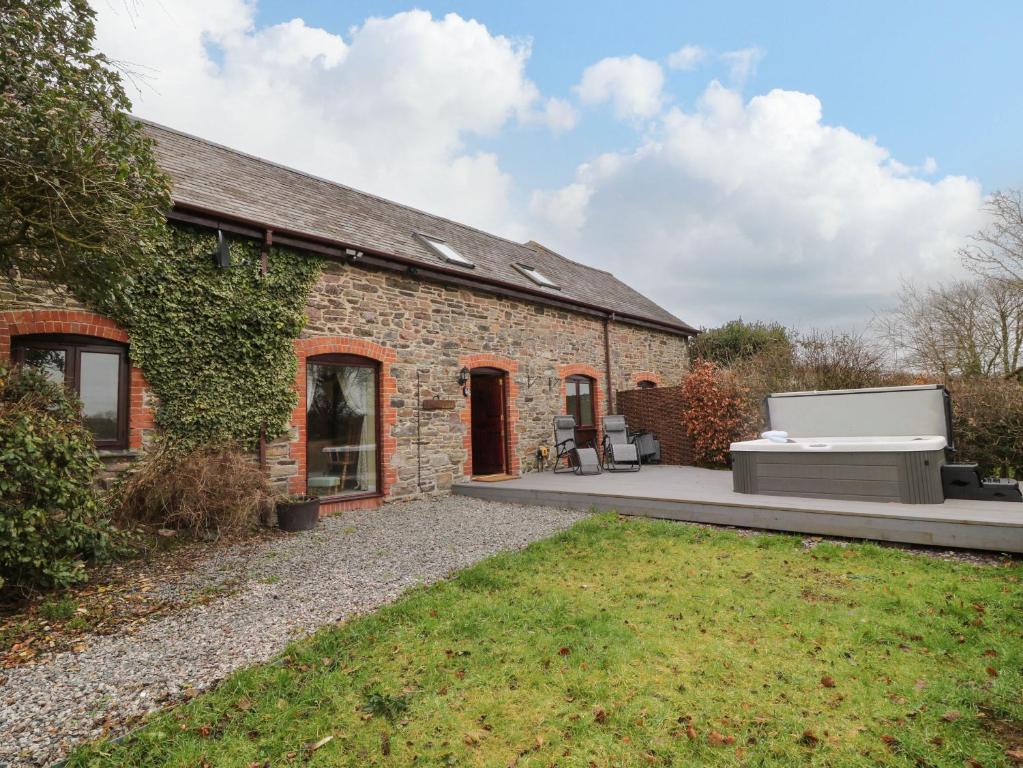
<point>582,461</point>
<point>620,453</point>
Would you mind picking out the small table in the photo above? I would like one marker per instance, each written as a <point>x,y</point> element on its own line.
<point>335,454</point>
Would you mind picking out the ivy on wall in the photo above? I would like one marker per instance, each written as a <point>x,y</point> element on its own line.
<point>216,345</point>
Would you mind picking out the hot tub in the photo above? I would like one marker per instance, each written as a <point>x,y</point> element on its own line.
<point>857,461</point>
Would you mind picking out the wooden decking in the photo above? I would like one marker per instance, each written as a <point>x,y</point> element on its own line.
<point>706,496</point>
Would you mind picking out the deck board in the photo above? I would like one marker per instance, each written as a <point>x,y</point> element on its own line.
<point>705,495</point>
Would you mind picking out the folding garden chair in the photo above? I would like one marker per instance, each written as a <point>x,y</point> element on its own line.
<point>620,453</point>
<point>582,461</point>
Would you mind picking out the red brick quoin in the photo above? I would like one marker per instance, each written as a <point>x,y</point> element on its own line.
<point>510,367</point>
<point>81,323</point>
<point>339,345</point>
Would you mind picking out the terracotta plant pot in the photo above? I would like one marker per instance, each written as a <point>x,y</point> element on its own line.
<point>300,514</point>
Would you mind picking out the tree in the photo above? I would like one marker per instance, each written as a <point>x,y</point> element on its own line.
<point>833,359</point>
<point>737,340</point>
<point>963,328</point>
<point>997,249</point>
<point>82,200</point>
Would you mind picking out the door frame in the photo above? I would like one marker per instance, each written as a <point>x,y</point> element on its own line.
<point>503,377</point>
<point>347,359</point>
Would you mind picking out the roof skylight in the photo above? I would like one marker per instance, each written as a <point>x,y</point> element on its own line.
<point>446,252</point>
<point>536,276</point>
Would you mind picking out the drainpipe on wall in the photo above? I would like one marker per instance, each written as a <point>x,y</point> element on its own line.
<point>607,362</point>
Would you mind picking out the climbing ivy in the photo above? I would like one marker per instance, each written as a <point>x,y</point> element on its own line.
<point>216,345</point>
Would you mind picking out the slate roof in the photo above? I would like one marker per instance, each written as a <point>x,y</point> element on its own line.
<point>234,184</point>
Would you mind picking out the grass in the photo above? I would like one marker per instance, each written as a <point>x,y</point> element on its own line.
<point>637,643</point>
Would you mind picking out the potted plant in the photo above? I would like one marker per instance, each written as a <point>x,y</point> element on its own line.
<point>298,513</point>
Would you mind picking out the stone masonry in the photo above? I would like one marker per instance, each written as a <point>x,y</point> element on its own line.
<point>422,333</point>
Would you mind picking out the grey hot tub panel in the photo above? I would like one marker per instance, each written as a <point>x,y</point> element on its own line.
<point>910,477</point>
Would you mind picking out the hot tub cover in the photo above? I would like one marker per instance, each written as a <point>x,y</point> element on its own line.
<point>911,411</point>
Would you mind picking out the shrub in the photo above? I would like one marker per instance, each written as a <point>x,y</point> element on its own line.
<point>987,422</point>
<point>836,360</point>
<point>208,491</point>
<point>716,411</point>
<point>51,518</point>
<point>736,340</point>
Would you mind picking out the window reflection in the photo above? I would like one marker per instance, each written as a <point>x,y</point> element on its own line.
<point>98,389</point>
<point>51,362</point>
<point>341,428</point>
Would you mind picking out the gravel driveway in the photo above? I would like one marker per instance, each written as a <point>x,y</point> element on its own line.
<point>353,563</point>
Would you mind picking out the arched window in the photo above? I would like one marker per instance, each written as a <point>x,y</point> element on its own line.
<point>646,384</point>
<point>342,426</point>
<point>94,369</point>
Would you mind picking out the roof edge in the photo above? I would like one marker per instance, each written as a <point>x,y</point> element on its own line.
<point>214,217</point>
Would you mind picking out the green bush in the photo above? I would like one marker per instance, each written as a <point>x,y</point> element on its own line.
<point>735,341</point>
<point>51,519</point>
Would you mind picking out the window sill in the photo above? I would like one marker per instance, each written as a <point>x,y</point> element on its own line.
<point>349,497</point>
<point>117,453</point>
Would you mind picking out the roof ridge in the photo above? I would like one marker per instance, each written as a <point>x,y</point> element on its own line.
<point>325,180</point>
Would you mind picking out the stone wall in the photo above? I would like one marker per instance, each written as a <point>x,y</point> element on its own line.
<point>434,330</point>
<point>423,333</point>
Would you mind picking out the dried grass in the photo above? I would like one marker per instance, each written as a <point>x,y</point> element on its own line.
<point>208,491</point>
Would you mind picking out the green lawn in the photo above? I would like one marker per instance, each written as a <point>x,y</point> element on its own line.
<point>638,643</point>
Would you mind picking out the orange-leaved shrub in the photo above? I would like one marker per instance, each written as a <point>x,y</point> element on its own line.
<point>716,411</point>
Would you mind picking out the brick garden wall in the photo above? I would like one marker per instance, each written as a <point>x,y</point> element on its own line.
<point>660,411</point>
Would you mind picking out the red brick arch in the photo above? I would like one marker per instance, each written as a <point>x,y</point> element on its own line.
<point>343,345</point>
<point>585,369</point>
<point>82,323</point>
<point>639,376</point>
<point>510,367</point>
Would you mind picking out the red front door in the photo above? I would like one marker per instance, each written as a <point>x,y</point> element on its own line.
<point>488,423</point>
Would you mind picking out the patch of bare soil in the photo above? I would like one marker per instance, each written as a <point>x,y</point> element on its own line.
<point>1008,733</point>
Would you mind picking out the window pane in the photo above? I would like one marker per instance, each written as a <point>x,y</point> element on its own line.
<point>99,392</point>
<point>52,362</point>
<point>586,409</point>
<point>572,406</point>
<point>341,442</point>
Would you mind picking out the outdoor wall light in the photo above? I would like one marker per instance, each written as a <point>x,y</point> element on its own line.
<point>463,380</point>
<point>222,256</point>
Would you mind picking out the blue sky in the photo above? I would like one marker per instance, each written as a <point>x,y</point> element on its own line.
<point>928,79</point>
<point>853,154</point>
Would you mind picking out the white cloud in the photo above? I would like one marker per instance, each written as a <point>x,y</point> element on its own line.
<point>742,64</point>
<point>387,108</point>
<point>631,83</point>
<point>557,114</point>
<point>760,209</point>
<point>563,208</point>
<point>688,57</point>
<point>754,208</point>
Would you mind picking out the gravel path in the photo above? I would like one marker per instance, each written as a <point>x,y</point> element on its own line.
<point>352,563</point>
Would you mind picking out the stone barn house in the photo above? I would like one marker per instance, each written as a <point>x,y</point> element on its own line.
<point>432,351</point>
